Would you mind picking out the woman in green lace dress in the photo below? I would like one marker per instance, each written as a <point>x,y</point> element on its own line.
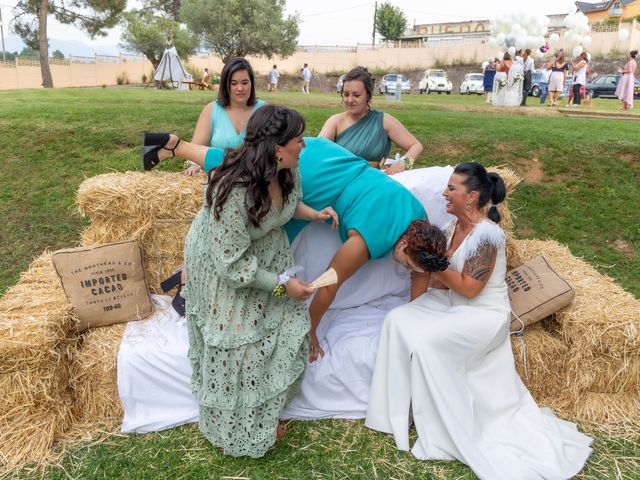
<point>247,324</point>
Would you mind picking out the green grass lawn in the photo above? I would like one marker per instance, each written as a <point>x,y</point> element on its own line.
<point>581,188</point>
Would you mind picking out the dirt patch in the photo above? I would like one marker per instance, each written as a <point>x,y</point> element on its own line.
<point>631,158</point>
<point>624,248</point>
<point>530,169</point>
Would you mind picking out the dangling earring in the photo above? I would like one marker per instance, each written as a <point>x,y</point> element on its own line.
<point>468,206</point>
<point>279,163</point>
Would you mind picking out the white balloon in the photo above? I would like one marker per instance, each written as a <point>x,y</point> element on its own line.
<point>586,41</point>
<point>554,38</point>
<point>538,53</point>
<point>577,50</point>
<point>500,38</point>
<point>500,55</point>
<point>576,39</point>
<point>512,51</point>
<point>492,42</point>
<point>588,56</point>
<point>572,8</point>
<point>623,34</point>
<point>484,65</point>
<point>568,37</point>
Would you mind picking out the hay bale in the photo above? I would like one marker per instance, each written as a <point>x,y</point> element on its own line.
<point>93,378</point>
<point>546,355</point>
<point>511,181</point>
<point>604,317</point>
<point>616,414</point>
<point>37,345</point>
<point>139,195</point>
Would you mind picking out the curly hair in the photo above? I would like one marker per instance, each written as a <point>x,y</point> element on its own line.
<point>427,246</point>
<point>253,164</point>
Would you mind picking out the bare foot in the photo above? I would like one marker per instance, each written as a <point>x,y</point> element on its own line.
<point>281,431</point>
<point>163,153</point>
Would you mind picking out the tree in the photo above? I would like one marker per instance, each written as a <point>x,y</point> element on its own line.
<point>233,28</point>
<point>92,16</point>
<point>150,33</point>
<point>391,22</point>
<point>57,54</point>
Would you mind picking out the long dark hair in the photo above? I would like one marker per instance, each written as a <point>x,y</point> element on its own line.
<point>489,186</point>
<point>232,66</point>
<point>362,74</point>
<point>253,164</point>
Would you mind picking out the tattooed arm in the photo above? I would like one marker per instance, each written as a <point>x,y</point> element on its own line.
<point>474,275</point>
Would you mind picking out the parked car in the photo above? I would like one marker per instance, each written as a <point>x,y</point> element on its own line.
<point>472,83</point>
<point>389,82</point>
<point>536,79</point>
<point>339,84</point>
<point>605,86</point>
<point>435,81</point>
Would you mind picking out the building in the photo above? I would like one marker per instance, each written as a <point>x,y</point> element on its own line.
<point>610,10</point>
<point>456,31</point>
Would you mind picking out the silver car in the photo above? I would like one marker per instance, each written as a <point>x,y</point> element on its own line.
<point>389,82</point>
<point>472,83</point>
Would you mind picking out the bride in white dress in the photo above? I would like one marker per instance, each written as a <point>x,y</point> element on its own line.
<point>446,358</point>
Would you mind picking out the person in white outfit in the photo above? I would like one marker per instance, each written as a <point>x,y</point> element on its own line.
<point>446,358</point>
<point>306,78</point>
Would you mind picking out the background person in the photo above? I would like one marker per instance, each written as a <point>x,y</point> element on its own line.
<point>306,78</point>
<point>544,82</point>
<point>365,132</point>
<point>559,70</point>
<point>274,75</point>
<point>579,66</point>
<point>487,79</point>
<point>527,69</point>
<point>624,90</point>
<point>205,81</point>
<point>446,360</point>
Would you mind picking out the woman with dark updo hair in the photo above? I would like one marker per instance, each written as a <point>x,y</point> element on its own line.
<point>446,360</point>
<point>365,132</point>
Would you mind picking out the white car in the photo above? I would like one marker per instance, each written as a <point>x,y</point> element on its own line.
<point>435,81</point>
<point>389,82</point>
<point>472,83</point>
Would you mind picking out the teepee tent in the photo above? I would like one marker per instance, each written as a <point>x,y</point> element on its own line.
<point>170,68</point>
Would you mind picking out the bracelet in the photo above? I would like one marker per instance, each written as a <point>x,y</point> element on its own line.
<point>280,290</point>
<point>408,162</point>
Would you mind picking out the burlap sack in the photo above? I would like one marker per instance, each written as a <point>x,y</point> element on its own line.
<point>105,283</point>
<point>536,291</point>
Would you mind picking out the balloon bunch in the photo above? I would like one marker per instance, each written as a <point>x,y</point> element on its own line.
<point>577,34</point>
<point>513,31</point>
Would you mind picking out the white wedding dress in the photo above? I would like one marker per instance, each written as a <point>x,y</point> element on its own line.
<point>511,94</point>
<point>447,360</point>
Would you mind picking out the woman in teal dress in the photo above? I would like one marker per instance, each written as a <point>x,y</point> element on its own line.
<point>375,211</point>
<point>365,132</point>
<point>246,321</point>
<point>223,123</point>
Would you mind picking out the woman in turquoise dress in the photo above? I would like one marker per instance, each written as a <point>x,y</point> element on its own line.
<point>365,132</point>
<point>375,211</point>
<point>246,319</point>
<point>223,123</point>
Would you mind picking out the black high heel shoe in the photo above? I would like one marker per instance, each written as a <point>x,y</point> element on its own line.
<point>151,144</point>
<point>178,302</point>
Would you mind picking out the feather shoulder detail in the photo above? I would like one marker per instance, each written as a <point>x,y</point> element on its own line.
<point>486,232</point>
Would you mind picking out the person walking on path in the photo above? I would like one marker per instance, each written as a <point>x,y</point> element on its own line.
<point>306,78</point>
<point>274,74</point>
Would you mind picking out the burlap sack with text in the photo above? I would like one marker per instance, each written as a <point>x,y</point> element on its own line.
<point>104,283</point>
<point>536,291</point>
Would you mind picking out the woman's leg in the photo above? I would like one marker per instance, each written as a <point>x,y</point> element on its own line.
<point>352,255</point>
<point>187,150</point>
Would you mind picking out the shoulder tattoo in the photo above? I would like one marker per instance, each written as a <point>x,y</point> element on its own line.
<point>479,266</point>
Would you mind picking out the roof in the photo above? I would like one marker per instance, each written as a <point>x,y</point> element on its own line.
<point>586,7</point>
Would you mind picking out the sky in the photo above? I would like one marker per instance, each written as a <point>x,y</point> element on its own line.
<point>330,22</point>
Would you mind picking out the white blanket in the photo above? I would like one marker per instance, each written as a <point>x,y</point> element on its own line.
<point>154,371</point>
